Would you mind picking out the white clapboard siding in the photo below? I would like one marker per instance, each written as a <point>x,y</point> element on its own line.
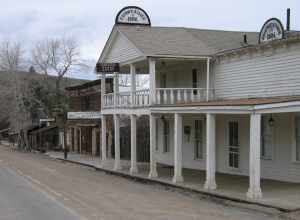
<point>121,50</point>
<point>273,73</point>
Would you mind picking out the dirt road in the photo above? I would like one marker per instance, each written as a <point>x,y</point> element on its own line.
<point>96,195</point>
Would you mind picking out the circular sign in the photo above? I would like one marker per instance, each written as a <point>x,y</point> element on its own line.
<point>133,15</point>
<point>271,30</point>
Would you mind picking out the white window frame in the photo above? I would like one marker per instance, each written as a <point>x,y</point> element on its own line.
<point>202,140</point>
<point>265,121</point>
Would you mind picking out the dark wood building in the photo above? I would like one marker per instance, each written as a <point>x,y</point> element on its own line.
<point>84,117</point>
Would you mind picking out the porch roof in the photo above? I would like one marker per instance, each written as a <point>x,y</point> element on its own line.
<point>244,102</point>
<point>181,41</point>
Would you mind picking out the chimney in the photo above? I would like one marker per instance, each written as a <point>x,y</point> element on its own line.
<point>245,39</point>
<point>288,16</point>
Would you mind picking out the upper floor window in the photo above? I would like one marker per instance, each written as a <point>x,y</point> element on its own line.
<point>163,81</point>
<point>266,138</point>
<point>86,103</point>
<point>195,80</point>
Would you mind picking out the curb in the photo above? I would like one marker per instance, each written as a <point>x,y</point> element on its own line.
<point>178,187</point>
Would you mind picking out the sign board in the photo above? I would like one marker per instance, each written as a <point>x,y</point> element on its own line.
<point>47,119</point>
<point>84,115</point>
<point>133,15</point>
<point>107,67</point>
<point>271,30</point>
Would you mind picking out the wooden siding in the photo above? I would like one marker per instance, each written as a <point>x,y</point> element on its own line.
<point>274,72</point>
<point>121,50</point>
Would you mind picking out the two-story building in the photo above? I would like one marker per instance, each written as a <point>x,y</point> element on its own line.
<point>218,101</point>
<point>84,118</point>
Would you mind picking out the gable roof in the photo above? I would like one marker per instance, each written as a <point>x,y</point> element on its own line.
<point>179,41</point>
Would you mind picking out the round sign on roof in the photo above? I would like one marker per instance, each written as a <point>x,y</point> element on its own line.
<point>271,30</point>
<point>133,15</point>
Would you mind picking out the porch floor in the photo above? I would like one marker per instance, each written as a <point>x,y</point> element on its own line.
<point>278,194</point>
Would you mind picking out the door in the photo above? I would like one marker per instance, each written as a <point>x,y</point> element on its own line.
<point>233,145</point>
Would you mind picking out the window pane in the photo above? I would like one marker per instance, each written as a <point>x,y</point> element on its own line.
<point>233,134</point>
<point>297,133</point>
<point>198,139</point>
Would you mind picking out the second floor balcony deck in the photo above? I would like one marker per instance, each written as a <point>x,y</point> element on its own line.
<point>161,97</point>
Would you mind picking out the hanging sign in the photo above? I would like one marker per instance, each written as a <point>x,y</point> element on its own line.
<point>271,30</point>
<point>133,15</point>
<point>107,67</point>
<point>84,115</point>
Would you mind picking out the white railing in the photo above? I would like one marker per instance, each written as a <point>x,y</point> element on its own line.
<point>163,96</point>
<point>141,98</point>
<point>171,96</point>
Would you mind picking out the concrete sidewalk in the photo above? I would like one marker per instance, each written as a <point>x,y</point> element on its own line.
<point>279,195</point>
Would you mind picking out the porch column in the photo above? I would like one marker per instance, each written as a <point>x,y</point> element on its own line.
<point>152,73</point>
<point>254,191</point>
<point>117,165</point>
<point>103,89</point>
<point>133,83</point>
<point>103,139</point>
<point>133,168</point>
<point>178,149</point>
<point>210,183</point>
<point>94,146</point>
<point>207,79</point>
<point>153,168</point>
<point>116,89</point>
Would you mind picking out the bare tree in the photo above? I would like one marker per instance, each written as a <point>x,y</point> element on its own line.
<point>11,61</point>
<point>59,57</point>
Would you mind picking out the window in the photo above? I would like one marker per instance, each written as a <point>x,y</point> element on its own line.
<point>166,127</point>
<point>233,133</point>
<point>266,139</point>
<point>233,139</point>
<point>199,139</point>
<point>195,80</point>
<point>163,81</point>
<point>297,137</point>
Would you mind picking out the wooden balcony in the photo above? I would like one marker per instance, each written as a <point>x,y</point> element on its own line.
<point>163,96</point>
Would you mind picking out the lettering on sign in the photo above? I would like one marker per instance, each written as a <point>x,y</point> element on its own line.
<point>84,115</point>
<point>107,67</point>
<point>271,30</point>
<point>133,15</point>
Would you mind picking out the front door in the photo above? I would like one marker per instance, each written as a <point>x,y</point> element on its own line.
<point>233,145</point>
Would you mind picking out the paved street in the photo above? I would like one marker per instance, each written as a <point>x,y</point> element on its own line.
<point>32,186</point>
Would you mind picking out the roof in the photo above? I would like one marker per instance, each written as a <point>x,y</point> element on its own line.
<point>246,102</point>
<point>43,129</point>
<point>181,41</point>
<point>88,84</point>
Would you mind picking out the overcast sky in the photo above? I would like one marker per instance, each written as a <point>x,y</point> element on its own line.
<point>91,21</point>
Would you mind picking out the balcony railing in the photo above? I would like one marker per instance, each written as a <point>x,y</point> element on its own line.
<point>163,96</point>
<point>171,96</point>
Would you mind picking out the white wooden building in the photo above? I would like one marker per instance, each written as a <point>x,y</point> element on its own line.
<point>218,101</point>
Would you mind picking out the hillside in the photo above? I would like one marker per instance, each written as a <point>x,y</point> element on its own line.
<point>24,78</point>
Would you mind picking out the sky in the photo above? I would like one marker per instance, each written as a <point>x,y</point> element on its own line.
<point>90,21</point>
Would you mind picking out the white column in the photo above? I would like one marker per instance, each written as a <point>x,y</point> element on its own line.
<point>152,73</point>
<point>103,89</point>
<point>117,165</point>
<point>178,149</point>
<point>116,88</point>
<point>103,139</point>
<point>133,83</point>
<point>133,168</point>
<point>254,191</point>
<point>207,79</point>
<point>210,183</point>
<point>153,168</point>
